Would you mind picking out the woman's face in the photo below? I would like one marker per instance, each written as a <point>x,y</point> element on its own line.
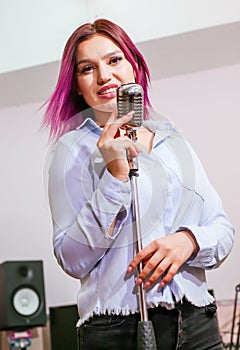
<point>101,69</point>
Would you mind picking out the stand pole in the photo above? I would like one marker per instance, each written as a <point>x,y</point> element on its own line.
<point>146,338</point>
<point>232,345</point>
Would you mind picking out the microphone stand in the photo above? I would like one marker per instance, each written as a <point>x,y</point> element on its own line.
<point>145,332</point>
<point>232,344</point>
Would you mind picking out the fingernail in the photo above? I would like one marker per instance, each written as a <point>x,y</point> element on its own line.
<point>139,281</point>
<point>146,285</point>
<point>129,269</point>
<point>161,284</point>
<point>129,114</point>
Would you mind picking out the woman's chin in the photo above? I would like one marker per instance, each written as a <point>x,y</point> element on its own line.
<point>108,107</point>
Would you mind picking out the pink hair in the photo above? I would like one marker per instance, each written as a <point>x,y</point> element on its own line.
<point>65,103</point>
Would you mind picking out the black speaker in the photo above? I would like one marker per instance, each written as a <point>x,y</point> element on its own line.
<point>63,320</point>
<point>22,295</point>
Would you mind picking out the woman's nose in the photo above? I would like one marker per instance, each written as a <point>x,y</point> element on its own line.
<point>104,74</point>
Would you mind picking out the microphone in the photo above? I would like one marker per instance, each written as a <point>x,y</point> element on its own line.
<point>130,97</point>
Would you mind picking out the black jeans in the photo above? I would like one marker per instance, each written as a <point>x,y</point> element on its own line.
<point>187,327</point>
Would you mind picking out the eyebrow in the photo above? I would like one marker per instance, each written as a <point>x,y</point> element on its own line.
<point>87,60</point>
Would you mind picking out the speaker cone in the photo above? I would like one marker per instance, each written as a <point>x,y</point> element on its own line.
<point>26,301</point>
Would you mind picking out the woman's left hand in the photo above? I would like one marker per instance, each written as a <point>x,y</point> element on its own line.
<point>164,255</point>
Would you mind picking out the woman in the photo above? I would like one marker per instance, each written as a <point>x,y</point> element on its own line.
<point>185,230</point>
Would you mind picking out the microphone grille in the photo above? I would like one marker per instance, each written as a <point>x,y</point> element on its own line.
<point>130,97</point>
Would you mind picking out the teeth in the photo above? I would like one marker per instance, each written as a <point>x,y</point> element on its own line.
<point>108,91</point>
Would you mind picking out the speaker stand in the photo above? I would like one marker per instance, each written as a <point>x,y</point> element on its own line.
<point>20,339</point>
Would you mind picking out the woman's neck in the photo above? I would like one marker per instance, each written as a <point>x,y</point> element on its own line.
<point>101,118</point>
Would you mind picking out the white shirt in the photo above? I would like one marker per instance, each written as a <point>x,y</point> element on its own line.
<point>173,191</point>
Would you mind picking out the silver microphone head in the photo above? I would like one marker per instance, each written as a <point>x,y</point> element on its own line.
<point>130,97</point>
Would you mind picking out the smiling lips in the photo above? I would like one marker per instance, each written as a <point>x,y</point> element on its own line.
<point>108,91</point>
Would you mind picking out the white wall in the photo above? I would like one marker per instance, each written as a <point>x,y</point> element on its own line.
<point>26,230</point>
<point>33,32</point>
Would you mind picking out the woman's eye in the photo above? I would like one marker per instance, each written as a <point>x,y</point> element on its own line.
<point>86,69</point>
<point>116,59</point>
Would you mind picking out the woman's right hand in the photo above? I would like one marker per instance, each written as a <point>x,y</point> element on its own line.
<point>115,150</point>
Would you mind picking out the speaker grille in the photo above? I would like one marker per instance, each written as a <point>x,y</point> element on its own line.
<point>26,301</point>
<point>22,295</point>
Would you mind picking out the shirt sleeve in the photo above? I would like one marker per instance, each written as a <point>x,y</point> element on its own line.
<point>83,209</point>
<point>213,233</point>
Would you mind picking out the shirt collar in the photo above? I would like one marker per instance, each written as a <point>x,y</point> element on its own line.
<point>158,124</point>
<point>90,124</point>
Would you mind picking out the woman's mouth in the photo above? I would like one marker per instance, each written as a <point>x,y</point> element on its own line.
<point>108,92</point>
